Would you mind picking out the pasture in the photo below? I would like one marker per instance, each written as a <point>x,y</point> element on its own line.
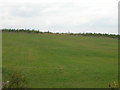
<point>60,61</point>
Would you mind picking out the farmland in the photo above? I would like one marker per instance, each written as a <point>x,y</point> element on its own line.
<point>60,61</point>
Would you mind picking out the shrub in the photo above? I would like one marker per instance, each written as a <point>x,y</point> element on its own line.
<point>17,80</point>
<point>114,85</point>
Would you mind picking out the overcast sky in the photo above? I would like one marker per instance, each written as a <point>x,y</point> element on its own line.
<point>60,15</point>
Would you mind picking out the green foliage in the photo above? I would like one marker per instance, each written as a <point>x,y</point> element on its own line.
<point>114,85</point>
<point>16,80</point>
<point>79,34</point>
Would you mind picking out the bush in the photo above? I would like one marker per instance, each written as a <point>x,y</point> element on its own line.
<point>114,85</point>
<point>17,80</point>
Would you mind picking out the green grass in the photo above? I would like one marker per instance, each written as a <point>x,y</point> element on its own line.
<point>61,61</point>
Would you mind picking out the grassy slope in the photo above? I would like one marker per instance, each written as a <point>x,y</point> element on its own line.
<point>61,60</point>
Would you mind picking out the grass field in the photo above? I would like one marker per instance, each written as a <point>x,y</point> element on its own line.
<point>61,61</point>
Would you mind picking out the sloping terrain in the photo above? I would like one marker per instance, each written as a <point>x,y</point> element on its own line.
<point>61,61</point>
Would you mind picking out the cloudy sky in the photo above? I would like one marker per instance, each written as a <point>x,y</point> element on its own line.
<point>100,16</point>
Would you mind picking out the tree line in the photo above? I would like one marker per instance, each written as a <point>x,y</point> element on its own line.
<point>48,32</point>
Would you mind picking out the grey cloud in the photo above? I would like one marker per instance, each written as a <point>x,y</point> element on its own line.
<point>32,10</point>
<point>62,17</point>
<point>25,13</point>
